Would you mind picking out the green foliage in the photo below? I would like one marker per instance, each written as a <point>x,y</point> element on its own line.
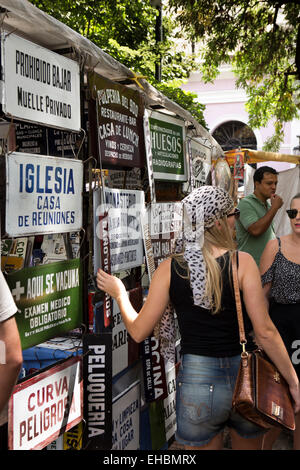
<point>262,47</point>
<point>125,29</point>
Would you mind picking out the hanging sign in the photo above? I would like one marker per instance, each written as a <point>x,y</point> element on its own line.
<point>49,299</point>
<point>126,419</point>
<point>165,225</point>
<point>238,172</point>
<point>124,228</point>
<point>153,370</point>
<point>45,406</point>
<point>170,404</point>
<point>32,138</point>
<point>44,194</point>
<point>120,123</point>
<point>97,381</point>
<point>39,85</point>
<point>200,156</point>
<point>168,147</point>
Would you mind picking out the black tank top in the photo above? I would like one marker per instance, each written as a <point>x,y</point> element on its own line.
<point>202,332</point>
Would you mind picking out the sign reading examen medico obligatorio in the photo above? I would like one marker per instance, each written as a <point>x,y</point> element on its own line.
<point>44,194</point>
<point>49,300</point>
<point>39,85</point>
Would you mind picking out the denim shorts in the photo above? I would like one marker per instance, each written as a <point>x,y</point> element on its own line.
<point>203,400</point>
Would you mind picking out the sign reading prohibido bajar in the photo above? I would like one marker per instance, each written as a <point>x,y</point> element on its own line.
<point>49,300</point>
<point>120,123</point>
<point>168,147</point>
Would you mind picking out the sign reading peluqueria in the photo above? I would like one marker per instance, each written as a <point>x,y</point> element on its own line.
<point>39,85</point>
<point>44,194</point>
<point>45,406</point>
<point>49,299</point>
<point>168,147</point>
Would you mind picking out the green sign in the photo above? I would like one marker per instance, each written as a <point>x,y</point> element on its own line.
<point>49,299</point>
<point>168,147</point>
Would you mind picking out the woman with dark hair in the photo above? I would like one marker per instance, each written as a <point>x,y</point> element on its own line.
<point>280,269</point>
<point>198,282</point>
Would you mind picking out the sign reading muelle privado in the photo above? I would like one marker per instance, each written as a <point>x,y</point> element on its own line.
<point>120,112</point>
<point>168,147</point>
<point>43,407</point>
<point>49,300</point>
<point>39,85</point>
<point>44,194</point>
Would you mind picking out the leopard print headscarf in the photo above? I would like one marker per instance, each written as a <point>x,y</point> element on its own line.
<point>201,208</point>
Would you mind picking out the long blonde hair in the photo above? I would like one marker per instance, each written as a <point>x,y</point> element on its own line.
<point>219,237</point>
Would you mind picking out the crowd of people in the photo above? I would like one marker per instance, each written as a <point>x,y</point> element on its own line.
<point>198,282</point>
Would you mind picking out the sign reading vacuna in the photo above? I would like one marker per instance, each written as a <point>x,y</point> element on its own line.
<point>43,195</point>
<point>40,85</point>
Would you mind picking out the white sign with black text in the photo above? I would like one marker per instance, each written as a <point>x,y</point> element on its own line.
<point>44,194</point>
<point>126,419</point>
<point>39,85</point>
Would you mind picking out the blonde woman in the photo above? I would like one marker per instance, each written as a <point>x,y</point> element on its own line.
<point>199,284</point>
<point>280,269</point>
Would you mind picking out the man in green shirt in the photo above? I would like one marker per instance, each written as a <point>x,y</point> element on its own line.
<point>254,228</point>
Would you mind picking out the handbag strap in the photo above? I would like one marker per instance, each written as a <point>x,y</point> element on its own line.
<point>238,303</point>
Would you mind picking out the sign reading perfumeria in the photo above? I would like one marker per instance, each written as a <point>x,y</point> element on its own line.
<point>168,147</point>
<point>39,85</point>
<point>44,194</point>
<point>49,299</point>
<point>43,407</point>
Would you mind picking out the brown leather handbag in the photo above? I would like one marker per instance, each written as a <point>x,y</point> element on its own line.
<point>261,394</point>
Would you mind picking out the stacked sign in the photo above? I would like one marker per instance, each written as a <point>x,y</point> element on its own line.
<point>120,123</point>
<point>44,194</point>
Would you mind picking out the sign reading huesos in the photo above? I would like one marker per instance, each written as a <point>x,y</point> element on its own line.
<point>44,194</point>
<point>39,85</point>
<point>168,147</point>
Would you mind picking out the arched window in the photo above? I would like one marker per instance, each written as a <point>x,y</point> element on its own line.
<point>234,134</point>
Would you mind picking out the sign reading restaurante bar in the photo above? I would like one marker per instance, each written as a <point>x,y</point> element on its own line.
<point>49,299</point>
<point>168,147</point>
<point>44,194</point>
<point>39,85</point>
<point>120,123</point>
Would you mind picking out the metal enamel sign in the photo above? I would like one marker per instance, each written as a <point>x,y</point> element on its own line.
<point>45,406</point>
<point>39,85</point>
<point>49,300</point>
<point>168,147</point>
<point>44,194</point>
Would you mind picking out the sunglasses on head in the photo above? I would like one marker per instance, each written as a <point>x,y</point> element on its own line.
<point>236,213</point>
<point>292,213</point>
